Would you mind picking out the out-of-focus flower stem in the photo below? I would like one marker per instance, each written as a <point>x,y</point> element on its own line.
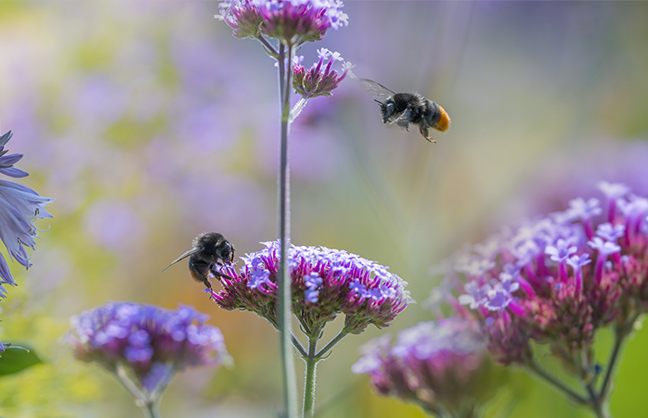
<point>284,58</point>
<point>436,412</point>
<point>534,367</point>
<point>270,50</point>
<point>599,401</point>
<point>151,410</point>
<point>150,406</point>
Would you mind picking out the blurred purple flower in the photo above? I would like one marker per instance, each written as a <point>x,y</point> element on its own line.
<point>145,344</point>
<point>442,365</point>
<point>20,206</point>
<point>325,282</point>
<point>114,225</point>
<point>559,178</point>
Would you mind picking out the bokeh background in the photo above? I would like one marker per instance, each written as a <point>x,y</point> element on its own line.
<point>149,123</point>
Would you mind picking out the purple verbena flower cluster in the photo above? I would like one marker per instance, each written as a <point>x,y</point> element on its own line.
<point>292,21</point>
<point>559,278</point>
<point>20,206</point>
<point>151,342</point>
<point>442,365</point>
<point>325,283</point>
<point>319,80</point>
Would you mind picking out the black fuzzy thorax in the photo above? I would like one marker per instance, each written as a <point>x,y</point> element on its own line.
<point>422,109</point>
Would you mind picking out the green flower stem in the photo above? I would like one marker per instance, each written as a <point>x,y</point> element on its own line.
<point>151,410</point>
<point>314,356</point>
<point>149,407</point>
<point>324,351</point>
<point>551,379</point>
<point>311,371</point>
<point>620,336</point>
<point>611,366</point>
<point>285,287</point>
<point>594,401</point>
<point>270,50</point>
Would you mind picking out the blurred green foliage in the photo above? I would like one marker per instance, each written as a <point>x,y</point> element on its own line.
<point>17,358</point>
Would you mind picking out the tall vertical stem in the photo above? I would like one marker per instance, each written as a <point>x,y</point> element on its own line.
<point>285,288</point>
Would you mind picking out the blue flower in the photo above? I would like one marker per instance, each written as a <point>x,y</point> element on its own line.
<point>20,206</point>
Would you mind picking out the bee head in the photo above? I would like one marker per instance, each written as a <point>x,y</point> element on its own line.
<point>214,247</point>
<point>225,252</point>
<point>387,109</point>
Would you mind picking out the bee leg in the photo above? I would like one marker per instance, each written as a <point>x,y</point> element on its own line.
<point>426,133</point>
<point>218,274</point>
<point>199,271</point>
<point>404,119</point>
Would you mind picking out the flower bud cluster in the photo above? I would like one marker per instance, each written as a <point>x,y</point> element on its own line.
<point>325,283</point>
<point>559,278</point>
<point>442,365</point>
<point>319,80</point>
<point>151,342</point>
<point>291,21</point>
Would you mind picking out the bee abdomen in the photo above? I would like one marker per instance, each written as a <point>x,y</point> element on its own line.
<point>439,119</point>
<point>444,120</point>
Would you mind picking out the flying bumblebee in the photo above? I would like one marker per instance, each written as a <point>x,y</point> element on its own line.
<point>405,108</point>
<point>209,249</point>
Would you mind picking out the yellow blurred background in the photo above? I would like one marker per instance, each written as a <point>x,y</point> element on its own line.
<point>149,123</point>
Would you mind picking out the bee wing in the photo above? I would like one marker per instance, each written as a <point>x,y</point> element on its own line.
<point>374,88</point>
<point>403,120</point>
<point>182,257</point>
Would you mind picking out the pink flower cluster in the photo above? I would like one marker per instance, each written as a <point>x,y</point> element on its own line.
<point>559,278</point>
<point>292,21</point>
<point>325,283</point>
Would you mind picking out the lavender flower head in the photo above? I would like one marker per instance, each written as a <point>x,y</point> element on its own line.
<point>145,345</point>
<point>558,279</point>
<point>291,21</point>
<point>20,206</point>
<point>442,365</point>
<point>325,283</point>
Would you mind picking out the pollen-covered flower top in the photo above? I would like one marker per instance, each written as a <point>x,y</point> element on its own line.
<point>559,278</point>
<point>292,21</point>
<point>325,283</point>
<point>151,342</point>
